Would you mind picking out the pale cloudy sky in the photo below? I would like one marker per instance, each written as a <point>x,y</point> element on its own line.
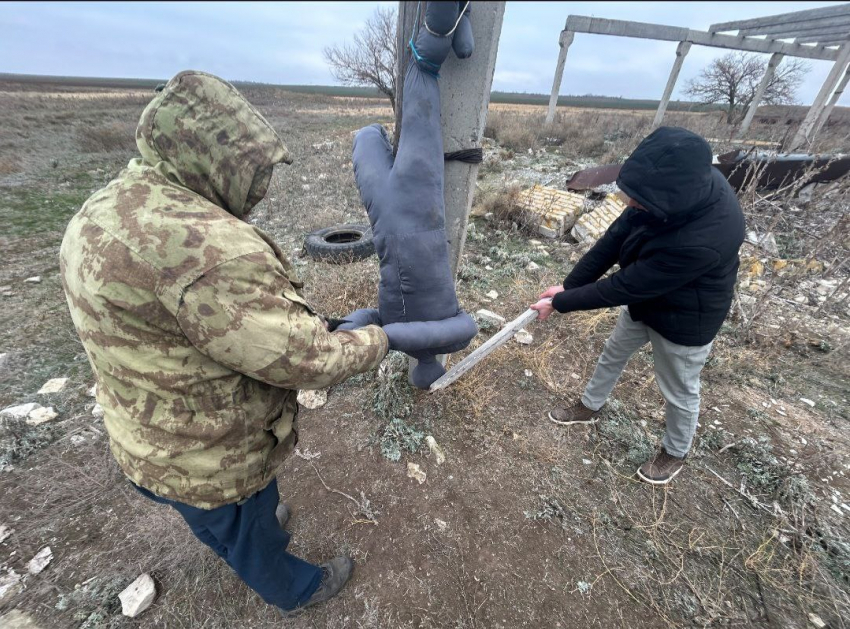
<point>282,42</point>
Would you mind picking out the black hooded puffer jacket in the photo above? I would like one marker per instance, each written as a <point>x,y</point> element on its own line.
<point>678,257</point>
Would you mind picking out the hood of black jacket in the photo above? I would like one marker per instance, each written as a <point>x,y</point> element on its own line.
<point>670,174</point>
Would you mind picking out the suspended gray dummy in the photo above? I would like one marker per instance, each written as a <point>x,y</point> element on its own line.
<point>417,303</point>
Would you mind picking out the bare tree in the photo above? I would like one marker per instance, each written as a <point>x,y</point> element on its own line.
<point>732,80</point>
<point>370,60</point>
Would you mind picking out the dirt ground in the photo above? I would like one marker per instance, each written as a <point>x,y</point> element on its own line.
<point>525,524</point>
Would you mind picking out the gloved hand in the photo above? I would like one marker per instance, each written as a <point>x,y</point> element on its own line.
<point>360,318</point>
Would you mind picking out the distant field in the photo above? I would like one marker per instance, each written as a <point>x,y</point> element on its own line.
<point>513,98</point>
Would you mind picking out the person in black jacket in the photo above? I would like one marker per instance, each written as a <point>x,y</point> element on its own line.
<point>677,246</point>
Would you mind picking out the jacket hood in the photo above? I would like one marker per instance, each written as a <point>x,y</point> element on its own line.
<point>669,173</point>
<point>202,134</point>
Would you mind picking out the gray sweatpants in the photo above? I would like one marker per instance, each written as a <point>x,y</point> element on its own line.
<point>677,369</point>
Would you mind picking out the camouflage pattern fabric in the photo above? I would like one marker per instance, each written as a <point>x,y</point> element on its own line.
<point>193,320</point>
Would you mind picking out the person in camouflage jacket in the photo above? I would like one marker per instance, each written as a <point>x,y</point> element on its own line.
<point>198,331</point>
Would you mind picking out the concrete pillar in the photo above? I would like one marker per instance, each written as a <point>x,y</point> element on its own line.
<point>775,59</point>
<point>806,133</point>
<point>832,101</point>
<point>681,50</point>
<point>465,96</point>
<point>564,42</point>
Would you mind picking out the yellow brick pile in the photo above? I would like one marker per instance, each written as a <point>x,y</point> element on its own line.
<point>558,210</point>
<point>590,227</point>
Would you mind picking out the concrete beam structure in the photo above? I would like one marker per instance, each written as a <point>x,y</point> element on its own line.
<point>681,51</point>
<point>769,71</point>
<point>832,102</point>
<point>841,10</point>
<point>465,97</point>
<point>822,37</point>
<point>564,42</point>
<point>802,26</point>
<point>806,133</point>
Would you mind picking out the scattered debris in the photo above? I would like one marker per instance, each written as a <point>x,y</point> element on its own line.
<point>436,450</point>
<point>775,170</point>
<point>442,525</point>
<point>533,266</point>
<point>807,402</point>
<point>492,295</point>
<point>587,462</point>
<point>584,587</point>
<point>3,358</point>
<point>93,391</point>
<point>306,454</point>
<point>765,241</point>
<point>138,596</point>
<point>41,415</point>
<point>524,337</point>
<point>591,178</point>
<point>40,561</point>
<point>557,210</point>
<point>416,472</point>
<point>528,373</point>
<point>97,411</point>
<point>36,279</point>
<point>313,399</point>
<point>590,227</point>
<point>5,532</point>
<point>54,385</point>
<point>10,584</point>
<point>817,621</point>
<point>16,619</point>
<point>491,317</point>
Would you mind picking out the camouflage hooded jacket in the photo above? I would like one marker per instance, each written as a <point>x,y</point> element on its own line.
<point>192,319</point>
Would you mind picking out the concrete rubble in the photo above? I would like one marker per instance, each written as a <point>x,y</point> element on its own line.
<point>556,209</point>
<point>16,619</point>
<point>20,411</point>
<point>524,337</point>
<point>138,596</point>
<point>41,415</point>
<point>590,227</point>
<point>313,399</point>
<point>41,560</point>
<point>5,532</point>
<point>415,472</point>
<point>436,450</point>
<point>490,317</point>
<point>54,385</point>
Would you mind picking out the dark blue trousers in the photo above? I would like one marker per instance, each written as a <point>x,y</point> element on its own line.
<point>247,536</point>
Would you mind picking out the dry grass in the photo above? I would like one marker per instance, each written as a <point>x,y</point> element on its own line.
<point>108,137</point>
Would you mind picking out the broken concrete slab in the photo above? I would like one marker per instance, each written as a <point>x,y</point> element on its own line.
<point>54,385</point>
<point>41,415</point>
<point>41,560</point>
<point>524,337</point>
<point>313,399</point>
<point>490,317</point>
<point>21,411</point>
<point>138,596</point>
<point>557,210</point>
<point>590,227</point>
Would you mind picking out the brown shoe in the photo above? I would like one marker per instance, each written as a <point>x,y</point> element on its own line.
<point>578,413</point>
<point>661,469</point>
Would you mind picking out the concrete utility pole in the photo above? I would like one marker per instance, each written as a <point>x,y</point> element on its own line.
<point>806,133</point>
<point>681,50</point>
<point>565,41</point>
<point>465,96</point>
<point>769,71</point>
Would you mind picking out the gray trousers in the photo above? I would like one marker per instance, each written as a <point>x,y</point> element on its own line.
<point>677,369</point>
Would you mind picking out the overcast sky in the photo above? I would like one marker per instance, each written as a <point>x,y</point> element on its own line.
<point>282,42</point>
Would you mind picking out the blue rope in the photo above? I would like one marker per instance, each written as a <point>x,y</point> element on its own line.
<point>428,67</point>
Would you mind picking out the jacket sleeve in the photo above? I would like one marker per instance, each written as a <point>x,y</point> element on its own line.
<point>602,256</point>
<point>653,276</point>
<point>247,316</point>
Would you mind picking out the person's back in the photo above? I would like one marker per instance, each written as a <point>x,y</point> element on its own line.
<point>198,333</point>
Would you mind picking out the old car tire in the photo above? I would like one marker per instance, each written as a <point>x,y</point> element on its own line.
<point>340,244</point>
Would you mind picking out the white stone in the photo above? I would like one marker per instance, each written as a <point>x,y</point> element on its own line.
<point>801,299</point>
<point>492,295</point>
<point>837,510</point>
<point>524,337</point>
<point>40,561</point>
<point>313,399</point>
<point>807,402</point>
<point>54,385</point>
<point>532,266</point>
<point>97,411</point>
<point>138,596</point>
<point>36,279</point>
<point>817,621</point>
<point>490,317</point>
<point>3,357</point>
<point>489,216</point>
<point>587,461</point>
<point>5,532</point>
<point>436,450</point>
<point>10,584</point>
<point>416,472</point>
<point>528,373</point>
<point>536,243</point>
<point>41,415</point>
<point>93,391</point>
<point>440,524</point>
<point>19,412</point>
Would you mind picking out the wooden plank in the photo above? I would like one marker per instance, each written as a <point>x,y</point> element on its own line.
<point>493,343</point>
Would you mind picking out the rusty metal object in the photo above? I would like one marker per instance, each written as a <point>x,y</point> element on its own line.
<point>740,167</point>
